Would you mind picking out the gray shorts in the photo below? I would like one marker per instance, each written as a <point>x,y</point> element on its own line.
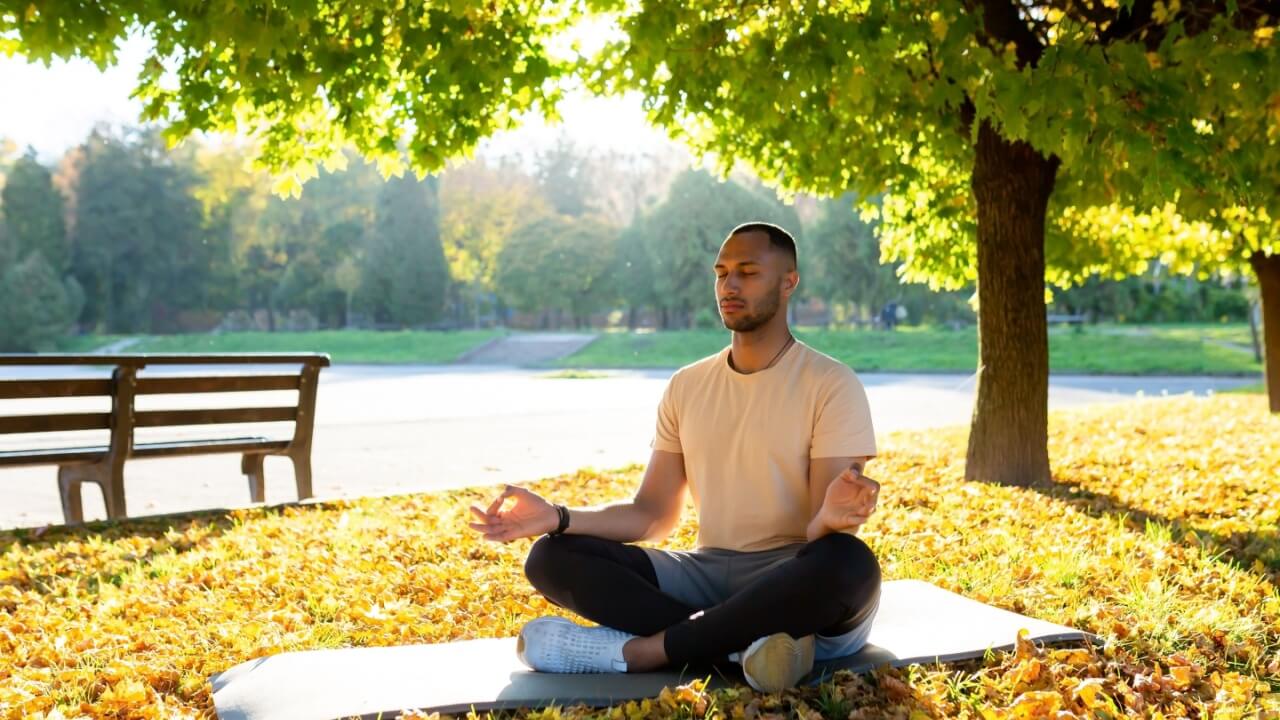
<point>707,577</point>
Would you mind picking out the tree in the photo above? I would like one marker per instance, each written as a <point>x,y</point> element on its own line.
<point>311,81</point>
<point>842,260</point>
<point>405,271</point>
<point>481,208</point>
<point>682,235</point>
<point>36,306</point>
<point>137,233</point>
<point>982,122</point>
<point>559,263</point>
<point>33,213</point>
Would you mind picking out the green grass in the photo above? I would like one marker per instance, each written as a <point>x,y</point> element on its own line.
<point>79,344</point>
<point>1188,349</point>
<point>343,346</point>
<point>1234,333</point>
<point>1095,350</point>
<point>1255,389</point>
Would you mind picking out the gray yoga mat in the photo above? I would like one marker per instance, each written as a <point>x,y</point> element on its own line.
<point>916,623</point>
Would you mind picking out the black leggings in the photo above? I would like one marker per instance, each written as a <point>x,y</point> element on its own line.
<point>830,587</point>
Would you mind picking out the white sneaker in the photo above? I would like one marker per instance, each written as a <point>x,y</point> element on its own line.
<point>776,662</point>
<point>556,645</point>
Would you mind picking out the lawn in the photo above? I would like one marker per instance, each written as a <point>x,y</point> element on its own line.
<point>1094,350</point>
<point>1103,349</point>
<point>343,346</point>
<point>1159,535</point>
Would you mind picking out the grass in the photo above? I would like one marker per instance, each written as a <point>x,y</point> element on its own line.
<point>344,346</point>
<point>1158,535</point>
<point>1100,350</point>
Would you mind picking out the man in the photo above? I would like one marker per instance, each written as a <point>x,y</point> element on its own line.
<point>770,436</point>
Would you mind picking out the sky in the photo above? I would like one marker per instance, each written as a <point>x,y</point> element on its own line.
<point>57,106</point>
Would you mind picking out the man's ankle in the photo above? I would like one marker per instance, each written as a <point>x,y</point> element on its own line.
<point>643,654</point>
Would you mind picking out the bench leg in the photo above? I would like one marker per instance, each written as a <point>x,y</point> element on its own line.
<point>302,474</point>
<point>112,484</point>
<point>71,477</point>
<point>251,466</point>
<point>69,492</point>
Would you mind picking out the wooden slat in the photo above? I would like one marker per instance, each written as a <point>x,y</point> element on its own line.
<point>53,388</point>
<point>208,384</point>
<point>213,416</point>
<point>202,447</point>
<point>52,456</point>
<point>54,423</point>
<point>320,359</point>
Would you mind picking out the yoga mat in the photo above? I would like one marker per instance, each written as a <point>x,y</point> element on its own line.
<point>917,623</point>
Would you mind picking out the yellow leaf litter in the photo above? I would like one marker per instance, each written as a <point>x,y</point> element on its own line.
<point>1159,534</point>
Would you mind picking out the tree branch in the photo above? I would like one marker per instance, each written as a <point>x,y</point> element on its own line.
<point>1001,24</point>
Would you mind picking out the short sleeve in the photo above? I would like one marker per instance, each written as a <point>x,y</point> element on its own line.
<point>667,434</point>
<point>843,424</point>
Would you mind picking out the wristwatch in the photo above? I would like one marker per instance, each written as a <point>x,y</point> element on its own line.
<point>563,512</point>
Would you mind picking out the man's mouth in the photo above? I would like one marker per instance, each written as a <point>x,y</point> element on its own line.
<point>732,306</point>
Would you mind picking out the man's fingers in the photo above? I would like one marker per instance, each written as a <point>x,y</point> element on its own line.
<point>506,492</point>
<point>487,517</point>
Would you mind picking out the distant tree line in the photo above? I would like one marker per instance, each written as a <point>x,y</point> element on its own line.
<point>122,236</point>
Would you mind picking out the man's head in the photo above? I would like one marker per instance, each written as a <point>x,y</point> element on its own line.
<point>755,275</point>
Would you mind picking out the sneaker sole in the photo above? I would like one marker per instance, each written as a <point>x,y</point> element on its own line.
<point>777,662</point>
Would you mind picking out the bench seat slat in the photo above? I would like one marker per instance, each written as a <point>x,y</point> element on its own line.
<point>53,388</point>
<point>224,383</point>
<point>145,450</point>
<point>213,416</point>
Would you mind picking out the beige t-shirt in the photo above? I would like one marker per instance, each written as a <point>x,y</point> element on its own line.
<point>747,441</point>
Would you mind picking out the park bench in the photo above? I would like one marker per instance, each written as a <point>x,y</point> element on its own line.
<point>104,464</point>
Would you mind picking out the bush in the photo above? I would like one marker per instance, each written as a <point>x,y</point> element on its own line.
<point>36,308</point>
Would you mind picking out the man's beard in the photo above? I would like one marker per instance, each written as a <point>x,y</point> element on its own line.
<point>747,322</point>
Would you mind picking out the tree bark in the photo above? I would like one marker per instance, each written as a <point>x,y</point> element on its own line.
<point>1254,310</point>
<point>1008,438</point>
<point>1267,267</point>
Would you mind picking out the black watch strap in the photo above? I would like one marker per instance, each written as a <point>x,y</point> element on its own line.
<point>563,512</point>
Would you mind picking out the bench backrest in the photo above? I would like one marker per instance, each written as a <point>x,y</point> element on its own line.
<point>124,386</point>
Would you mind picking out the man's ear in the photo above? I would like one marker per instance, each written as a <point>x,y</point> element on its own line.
<point>791,281</point>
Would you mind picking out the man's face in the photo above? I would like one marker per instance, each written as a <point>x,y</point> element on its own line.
<point>752,278</point>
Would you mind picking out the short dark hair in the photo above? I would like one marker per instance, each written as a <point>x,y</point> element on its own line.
<point>778,238</point>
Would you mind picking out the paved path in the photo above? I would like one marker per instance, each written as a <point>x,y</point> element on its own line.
<point>383,429</point>
<point>527,349</point>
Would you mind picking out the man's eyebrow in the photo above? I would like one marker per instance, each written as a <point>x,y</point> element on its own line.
<point>744,262</point>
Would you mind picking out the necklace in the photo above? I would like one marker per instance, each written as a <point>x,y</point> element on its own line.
<point>790,339</point>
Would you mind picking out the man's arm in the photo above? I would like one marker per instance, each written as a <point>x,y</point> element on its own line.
<point>822,472</point>
<point>651,515</point>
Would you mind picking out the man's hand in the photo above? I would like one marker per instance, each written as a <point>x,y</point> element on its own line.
<point>529,516</point>
<point>850,500</point>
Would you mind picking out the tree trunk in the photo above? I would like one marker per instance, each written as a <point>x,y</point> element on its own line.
<point>1254,310</point>
<point>1267,268</point>
<point>1008,439</point>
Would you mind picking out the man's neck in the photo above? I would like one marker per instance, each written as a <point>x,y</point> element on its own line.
<point>753,351</point>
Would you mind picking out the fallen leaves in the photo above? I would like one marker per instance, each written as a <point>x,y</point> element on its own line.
<point>1159,536</point>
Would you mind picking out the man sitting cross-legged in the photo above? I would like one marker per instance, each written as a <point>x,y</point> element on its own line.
<point>770,437</point>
